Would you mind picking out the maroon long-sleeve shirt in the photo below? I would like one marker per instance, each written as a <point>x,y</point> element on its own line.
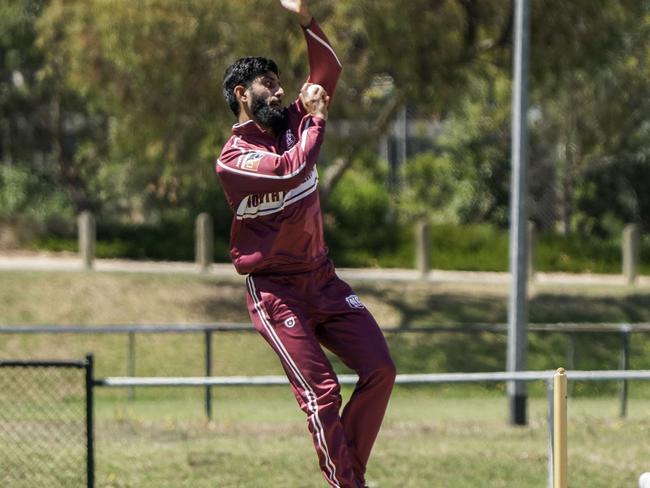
<point>271,182</point>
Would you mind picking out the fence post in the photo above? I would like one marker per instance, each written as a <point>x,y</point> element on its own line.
<point>208,372</point>
<point>625,365</point>
<point>423,248</point>
<point>559,430</point>
<point>631,245</point>
<point>87,238</point>
<point>130,365</point>
<point>550,398</point>
<point>204,241</point>
<point>90,438</point>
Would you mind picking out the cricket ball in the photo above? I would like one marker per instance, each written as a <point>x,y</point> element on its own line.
<point>644,480</point>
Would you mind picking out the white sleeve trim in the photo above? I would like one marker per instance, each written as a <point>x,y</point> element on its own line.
<point>311,33</point>
<point>303,136</point>
<point>303,141</point>
<point>260,175</point>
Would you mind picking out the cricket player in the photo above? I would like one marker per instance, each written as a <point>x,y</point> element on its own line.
<point>268,170</point>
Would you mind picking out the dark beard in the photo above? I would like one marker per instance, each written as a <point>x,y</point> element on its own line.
<point>274,118</point>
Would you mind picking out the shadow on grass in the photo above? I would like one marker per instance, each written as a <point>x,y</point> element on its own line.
<point>428,307</point>
<point>418,306</point>
<point>549,307</point>
<point>227,304</point>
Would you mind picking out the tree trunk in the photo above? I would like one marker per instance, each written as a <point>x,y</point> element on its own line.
<point>64,156</point>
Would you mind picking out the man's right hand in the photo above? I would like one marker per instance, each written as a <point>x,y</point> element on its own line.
<point>315,100</point>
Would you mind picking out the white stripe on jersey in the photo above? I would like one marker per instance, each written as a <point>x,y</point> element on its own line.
<point>310,32</point>
<point>276,201</point>
<point>310,398</point>
<point>259,175</point>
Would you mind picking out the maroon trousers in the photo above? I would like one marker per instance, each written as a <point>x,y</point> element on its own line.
<point>299,313</point>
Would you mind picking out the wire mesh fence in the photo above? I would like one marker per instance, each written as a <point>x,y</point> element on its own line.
<point>43,425</point>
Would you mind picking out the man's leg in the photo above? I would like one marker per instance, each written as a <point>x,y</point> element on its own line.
<point>353,335</point>
<point>290,333</point>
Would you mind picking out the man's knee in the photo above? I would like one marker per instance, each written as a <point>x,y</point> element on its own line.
<point>388,370</point>
<point>382,371</point>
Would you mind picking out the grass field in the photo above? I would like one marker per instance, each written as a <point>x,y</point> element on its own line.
<point>431,438</point>
<point>440,436</point>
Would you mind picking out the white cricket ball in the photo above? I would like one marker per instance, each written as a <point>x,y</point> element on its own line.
<point>644,480</point>
<point>312,89</point>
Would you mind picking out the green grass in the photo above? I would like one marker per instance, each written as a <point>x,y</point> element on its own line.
<point>122,298</point>
<point>453,436</point>
<point>431,437</point>
<point>442,436</point>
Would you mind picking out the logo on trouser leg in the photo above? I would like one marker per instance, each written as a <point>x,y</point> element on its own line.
<point>290,322</point>
<point>354,301</point>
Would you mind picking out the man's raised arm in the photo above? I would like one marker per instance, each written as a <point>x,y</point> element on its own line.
<point>324,66</point>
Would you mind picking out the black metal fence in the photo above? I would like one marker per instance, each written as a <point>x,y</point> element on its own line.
<point>46,434</point>
<point>570,330</point>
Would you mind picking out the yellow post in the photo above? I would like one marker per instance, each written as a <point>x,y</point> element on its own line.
<point>560,456</point>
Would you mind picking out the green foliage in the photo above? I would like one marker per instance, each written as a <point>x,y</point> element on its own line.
<point>476,248</point>
<point>358,227</point>
<point>485,248</point>
<point>117,106</point>
<point>475,142</point>
<point>168,240</point>
<point>430,183</point>
<point>31,195</point>
<point>576,253</point>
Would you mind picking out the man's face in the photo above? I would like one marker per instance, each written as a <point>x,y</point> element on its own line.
<point>266,102</point>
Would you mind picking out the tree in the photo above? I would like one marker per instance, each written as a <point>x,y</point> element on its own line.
<point>35,149</point>
<point>136,116</point>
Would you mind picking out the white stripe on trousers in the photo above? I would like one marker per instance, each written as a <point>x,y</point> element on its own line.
<point>312,404</point>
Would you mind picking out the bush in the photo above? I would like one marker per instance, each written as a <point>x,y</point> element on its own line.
<point>482,247</point>
<point>578,254</point>
<point>469,248</point>
<point>31,204</point>
<point>167,241</point>
<point>359,227</point>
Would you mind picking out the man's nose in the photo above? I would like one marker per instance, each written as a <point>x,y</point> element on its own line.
<point>279,92</point>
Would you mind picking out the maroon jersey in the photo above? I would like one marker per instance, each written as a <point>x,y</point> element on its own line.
<point>271,182</point>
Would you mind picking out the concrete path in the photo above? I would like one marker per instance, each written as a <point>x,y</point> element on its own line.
<point>26,261</point>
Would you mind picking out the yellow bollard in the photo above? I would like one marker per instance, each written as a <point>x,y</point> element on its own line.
<point>560,456</point>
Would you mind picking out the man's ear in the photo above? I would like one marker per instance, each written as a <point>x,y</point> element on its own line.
<point>241,93</point>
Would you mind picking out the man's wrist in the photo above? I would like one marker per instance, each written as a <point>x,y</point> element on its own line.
<point>305,19</point>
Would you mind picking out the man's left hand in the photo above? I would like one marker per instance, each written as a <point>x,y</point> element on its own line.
<point>300,8</point>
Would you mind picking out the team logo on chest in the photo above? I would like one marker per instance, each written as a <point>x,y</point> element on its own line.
<point>290,322</point>
<point>354,301</point>
<point>250,162</point>
<point>289,139</point>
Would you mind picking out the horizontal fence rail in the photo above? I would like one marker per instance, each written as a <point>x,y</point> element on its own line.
<point>435,378</point>
<point>571,329</point>
<point>350,379</point>
<point>54,363</point>
<point>593,327</point>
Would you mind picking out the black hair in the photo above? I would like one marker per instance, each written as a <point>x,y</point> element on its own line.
<point>243,72</point>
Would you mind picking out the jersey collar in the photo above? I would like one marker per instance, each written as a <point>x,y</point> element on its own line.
<point>250,128</point>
